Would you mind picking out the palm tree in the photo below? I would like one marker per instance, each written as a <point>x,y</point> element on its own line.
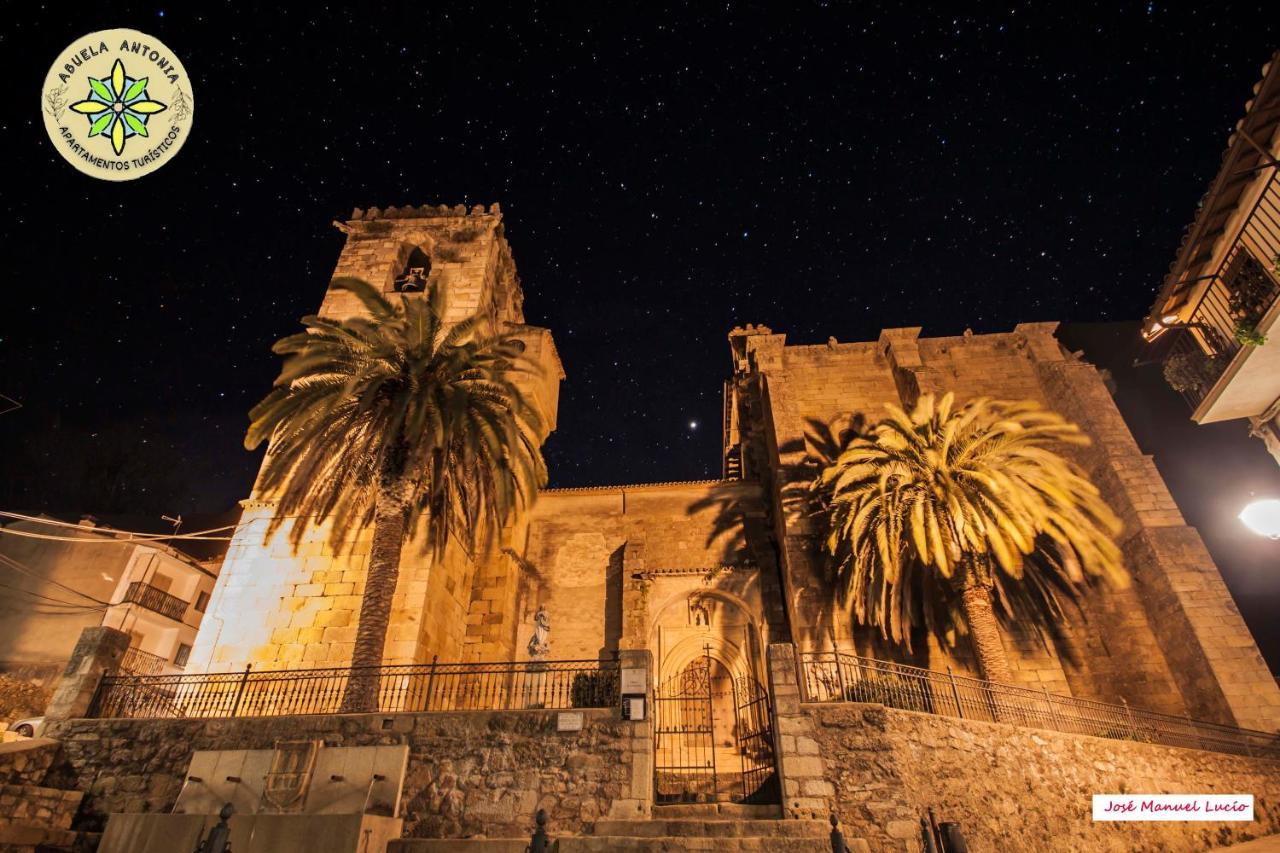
<point>937,516</point>
<point>398,420</point>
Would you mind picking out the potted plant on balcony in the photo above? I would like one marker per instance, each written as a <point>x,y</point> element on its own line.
<point>1251,294</point>
<point>1187,372</point>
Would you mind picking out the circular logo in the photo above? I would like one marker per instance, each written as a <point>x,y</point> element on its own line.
<point>117,104</point>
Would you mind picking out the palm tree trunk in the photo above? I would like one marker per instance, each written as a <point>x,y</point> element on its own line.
<point>975,600</point>
<point>361,694</point>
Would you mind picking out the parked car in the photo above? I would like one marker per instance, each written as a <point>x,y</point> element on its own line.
<point>27,727</point>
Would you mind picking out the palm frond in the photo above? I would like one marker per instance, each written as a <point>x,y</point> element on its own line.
<point>928,500</point>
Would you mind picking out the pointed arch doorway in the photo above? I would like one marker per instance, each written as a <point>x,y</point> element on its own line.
<point>713,732</point>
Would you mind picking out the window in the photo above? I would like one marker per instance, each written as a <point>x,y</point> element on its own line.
<point>202,601</point>
<point>413,278</point>
<point>184,652</point>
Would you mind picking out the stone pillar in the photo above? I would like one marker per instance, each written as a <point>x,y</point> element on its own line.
<point>97,653</point>
<point>635,596</point>
<point>802,774</point>
<point>636,798</point>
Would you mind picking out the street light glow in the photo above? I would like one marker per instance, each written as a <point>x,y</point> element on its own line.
<point>1263,518</point>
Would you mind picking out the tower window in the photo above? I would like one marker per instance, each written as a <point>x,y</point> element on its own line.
<point>413,278</point>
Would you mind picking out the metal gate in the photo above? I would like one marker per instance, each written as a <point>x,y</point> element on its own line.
<point>755,743</point>
<point>684,742</point>
<point>689,765</point>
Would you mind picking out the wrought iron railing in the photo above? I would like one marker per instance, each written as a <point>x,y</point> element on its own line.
<point>406,688</point>
<point>138,662</point>
<point>838,676</point>
<point>1239,292</point>
<point>156,600</point>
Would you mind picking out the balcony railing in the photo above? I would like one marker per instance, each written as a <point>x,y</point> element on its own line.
<point>405,688</point>
<point>841,677</point>
<point>138,662</point>
<point>156,600</point>
<point>1239,292</point>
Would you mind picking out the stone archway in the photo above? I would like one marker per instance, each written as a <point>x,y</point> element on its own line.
<point>712,725</point>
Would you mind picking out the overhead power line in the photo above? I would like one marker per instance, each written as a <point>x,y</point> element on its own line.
<point>113,535</point>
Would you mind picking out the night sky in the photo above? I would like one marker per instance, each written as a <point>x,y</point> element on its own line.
<point>827,170</point>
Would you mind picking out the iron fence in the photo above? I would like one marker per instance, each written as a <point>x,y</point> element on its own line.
<point>405,688</point>
<point>842,677</point>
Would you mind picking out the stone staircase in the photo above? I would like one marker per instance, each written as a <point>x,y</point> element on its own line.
<point>711,826</point>
<point>33,816</point>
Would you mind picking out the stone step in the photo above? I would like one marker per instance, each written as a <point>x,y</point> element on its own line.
<point>607,843</point>
<point>604,843</point>
<point>468,845</point>
<point>714,810</point>
<point>660,827</point>
<point>20,835</point>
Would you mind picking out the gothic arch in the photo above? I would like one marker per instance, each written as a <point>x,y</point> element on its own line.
<point>679,600</point>
<point>730,635</point>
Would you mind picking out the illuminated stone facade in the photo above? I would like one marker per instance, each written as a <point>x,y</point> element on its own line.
<point>721,569</point>
<point>281,607</point>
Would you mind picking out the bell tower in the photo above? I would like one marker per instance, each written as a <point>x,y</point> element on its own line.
<point>280,607</point>
<point>412,250</point>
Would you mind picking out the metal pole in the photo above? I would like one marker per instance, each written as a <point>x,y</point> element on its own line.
<point>927,842</point>
<point>955,692</point>
<point>1053,714</point>
<point>539,843</point>
<point>431,678</point>
<point>1194,729</point>
<point>235,709</point>
<point>1133,729</point>
<point>219,838</point>
<point>711,721</point>
<point>737,721</point>
<point>837,837</point>
<point>844,694</point>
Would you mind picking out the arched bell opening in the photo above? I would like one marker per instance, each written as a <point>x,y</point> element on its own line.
<point>414,272</point>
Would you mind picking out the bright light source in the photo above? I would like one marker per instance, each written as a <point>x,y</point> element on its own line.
<point>1263,518</point>
<point>693,424</point>
<point>1170,319</point>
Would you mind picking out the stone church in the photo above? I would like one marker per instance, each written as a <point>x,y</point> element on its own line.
<point>717,570</point>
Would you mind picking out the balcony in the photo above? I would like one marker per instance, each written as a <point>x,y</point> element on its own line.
<point>156,600</point>
<point>1224,359</point>
<point>138,662</point>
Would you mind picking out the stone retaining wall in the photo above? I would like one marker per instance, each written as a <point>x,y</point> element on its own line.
<point>1014,788</point>
<point>469,773</point>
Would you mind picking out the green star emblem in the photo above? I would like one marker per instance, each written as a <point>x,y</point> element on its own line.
<point>118,107</point>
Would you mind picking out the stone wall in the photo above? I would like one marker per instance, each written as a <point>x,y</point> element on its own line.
<point>26,761</point>
<point>1014,788</point>
<point>25,689</point>
<point>1120,645</point>
<point>690,533</point>
<point>469,774</point>
<point>31,804</point>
